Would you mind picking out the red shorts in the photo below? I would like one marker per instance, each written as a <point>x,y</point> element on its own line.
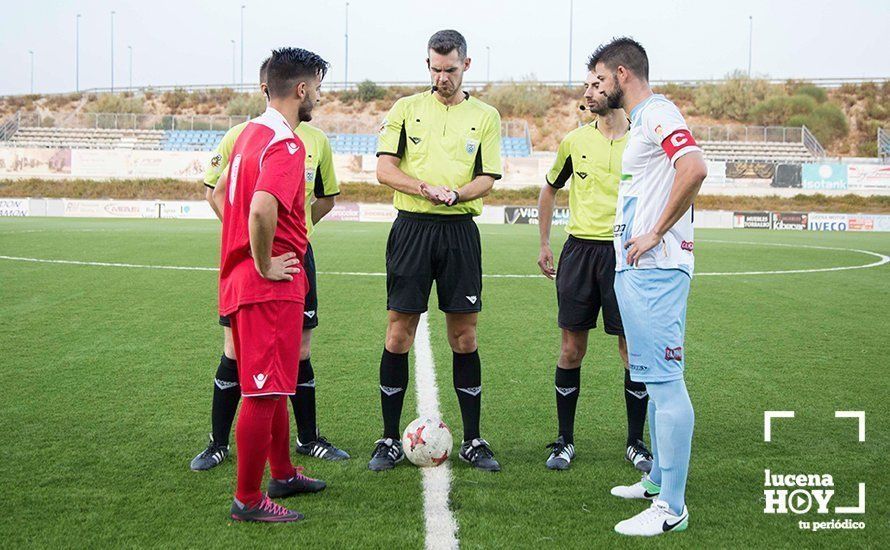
<point>267,345</point>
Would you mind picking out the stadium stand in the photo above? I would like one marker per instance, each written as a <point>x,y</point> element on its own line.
<point>86,138</point>
<point>27,131</point>
<point>758,143</point>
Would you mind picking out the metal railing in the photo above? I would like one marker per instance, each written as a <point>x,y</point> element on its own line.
<point>883,143</point>
<point>123,121</point>
<point>470,85</point>
<point>9,126</point>
<point>754,134</point>
<point>812,144</point>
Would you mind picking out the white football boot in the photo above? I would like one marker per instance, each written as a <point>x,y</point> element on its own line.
<point>654,520</point>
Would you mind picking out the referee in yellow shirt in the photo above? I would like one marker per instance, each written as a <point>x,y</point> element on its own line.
<point>589,156</point>
<point>440,150</point>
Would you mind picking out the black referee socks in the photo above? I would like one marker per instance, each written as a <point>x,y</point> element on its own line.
<point>568,386</point>
<point>636,399</point>
<point>303,401</point>
<point>467,376</point>
<point>393,381</point>
<point>226,395</point>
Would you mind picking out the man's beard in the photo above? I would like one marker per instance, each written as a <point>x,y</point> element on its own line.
<point>449,93</point>
<point>616,98</point>
<point>304,114</point>
<point>601,109</point>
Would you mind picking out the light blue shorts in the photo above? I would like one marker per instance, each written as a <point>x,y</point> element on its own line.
<point>653,309</point>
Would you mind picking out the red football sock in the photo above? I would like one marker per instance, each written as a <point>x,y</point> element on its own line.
<point>253,435</point>
<point>279,455</point>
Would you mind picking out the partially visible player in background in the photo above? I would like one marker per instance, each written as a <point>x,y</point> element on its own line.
<point>261,286</point>
<point>662,172</point>
<point>322,185</point>
<point>589,156</point>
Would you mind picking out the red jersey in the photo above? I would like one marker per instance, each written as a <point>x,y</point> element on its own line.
<point>268,157</point>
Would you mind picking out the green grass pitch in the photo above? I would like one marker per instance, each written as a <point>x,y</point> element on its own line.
<point>107,371</point>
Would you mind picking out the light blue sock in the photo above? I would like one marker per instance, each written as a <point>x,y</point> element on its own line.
<point>655,473</point>
<point>673,439</point>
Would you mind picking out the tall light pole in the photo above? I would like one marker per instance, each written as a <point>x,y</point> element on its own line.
<point>130,49</point>
<point>234,63</point>
<point>77,54</point>
<point>112,51</point>
<point>242,44</point>
<point>346,49</point>
<point>31,53</point>
<point>571,26</point>
<point>750,41</point>
<point>488,63</point>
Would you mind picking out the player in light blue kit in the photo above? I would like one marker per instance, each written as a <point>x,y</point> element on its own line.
<point>662,172</point>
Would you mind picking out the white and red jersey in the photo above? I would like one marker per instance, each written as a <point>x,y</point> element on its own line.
<point>658,137</point>
<point>268,157</point>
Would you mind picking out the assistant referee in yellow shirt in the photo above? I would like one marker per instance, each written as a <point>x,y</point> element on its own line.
<point>440,150</point>
<point>589,156</point>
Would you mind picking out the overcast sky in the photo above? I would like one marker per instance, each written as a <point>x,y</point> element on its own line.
<point>189,41</point>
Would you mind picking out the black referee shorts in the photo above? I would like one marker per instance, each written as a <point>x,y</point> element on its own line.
<point>310,310</point>
<point>585,278</point>
<point>423,248</point>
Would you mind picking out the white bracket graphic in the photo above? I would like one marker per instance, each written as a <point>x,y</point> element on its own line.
<point>767,422</point>
<point>854,509</point>
<point>860,415</point>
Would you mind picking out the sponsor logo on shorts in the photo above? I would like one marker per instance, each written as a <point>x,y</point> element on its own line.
<point>309,314</point>
<point>260,380</point>
<point>687,245</point>
<point>673,354</point>
<point>472,299</point>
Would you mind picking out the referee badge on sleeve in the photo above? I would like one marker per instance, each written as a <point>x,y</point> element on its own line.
<point>472,145</point>
<point>310,175</point>
<point>382,128</point>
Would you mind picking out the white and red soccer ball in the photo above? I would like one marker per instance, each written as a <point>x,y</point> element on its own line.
<point>427,442</point>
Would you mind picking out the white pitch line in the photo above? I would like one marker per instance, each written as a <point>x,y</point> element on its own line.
<point>441,527</point>
<point>882,259</point>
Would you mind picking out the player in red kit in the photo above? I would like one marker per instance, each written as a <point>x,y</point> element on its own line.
<point>261,285</point>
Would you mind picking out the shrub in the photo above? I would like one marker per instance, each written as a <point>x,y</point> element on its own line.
<point>252,105</point>
<point>813,91</point>
<point>734,98</point>
<point>113,103</point>
<point>369,91</point>
<point>175,100</point>
<point>776,111</point>
<point>524,98</point>
<point>827,122</point>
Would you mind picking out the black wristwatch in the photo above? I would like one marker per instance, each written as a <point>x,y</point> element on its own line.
<point>456,197</point>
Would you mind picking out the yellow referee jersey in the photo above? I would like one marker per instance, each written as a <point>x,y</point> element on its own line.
<point>593,162</point>
<point>442,145</point>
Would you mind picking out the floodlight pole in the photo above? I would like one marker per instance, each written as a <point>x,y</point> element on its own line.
<point>234,62</point>
<point>346,49</point>
<point>750,41</point>
<point>31,53</point>
<point>112,51</point>
<point>130,48</point>
<point>242,45</point>
<point>77,54</point>
<point>571,26</point>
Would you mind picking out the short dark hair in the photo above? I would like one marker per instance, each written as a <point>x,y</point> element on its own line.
<point>264,67</point>
<point>288,66</point>
<point>624,51</point>
<point>445,42</point>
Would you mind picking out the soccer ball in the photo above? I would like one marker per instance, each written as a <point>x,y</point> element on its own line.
<point>427,442</point>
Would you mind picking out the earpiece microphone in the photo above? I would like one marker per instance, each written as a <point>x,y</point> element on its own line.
<point>582,107</point>
<point>434,88</point>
